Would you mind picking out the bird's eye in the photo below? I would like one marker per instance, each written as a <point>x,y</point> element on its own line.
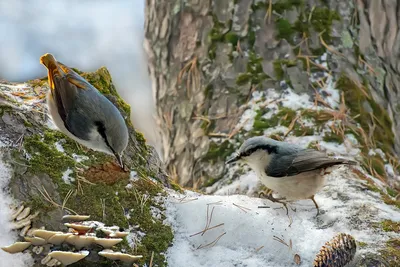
<point>246,153</point>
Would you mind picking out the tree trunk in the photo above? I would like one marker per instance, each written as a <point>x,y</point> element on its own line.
<point>207,57</point>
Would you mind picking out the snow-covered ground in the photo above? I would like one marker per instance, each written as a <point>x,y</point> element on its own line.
<point>245,235</point>
<point>238,233</point>
<point>8,236</point>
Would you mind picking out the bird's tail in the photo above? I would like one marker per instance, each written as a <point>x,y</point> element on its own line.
<point>53,68</point>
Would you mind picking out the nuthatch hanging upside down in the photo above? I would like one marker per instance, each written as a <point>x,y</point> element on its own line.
<point>291,171</point>
<point>81,112</point>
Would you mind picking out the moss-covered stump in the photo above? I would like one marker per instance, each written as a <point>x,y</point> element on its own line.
<point>54,175</point>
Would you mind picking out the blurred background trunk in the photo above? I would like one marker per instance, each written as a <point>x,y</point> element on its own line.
<point>206,58</point>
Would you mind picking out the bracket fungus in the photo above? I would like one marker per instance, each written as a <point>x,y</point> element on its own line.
<point>57,239</point>
<point>44,233</point>
<point>114,232</point>
<point>16,247</point>
<point>22,219</point>
<point>76,218</point>
<point>36,241</point>
<point>80,228</point>
<point>25,230</point>
<point>80,241</point>
<point>109,254</point>
<point>119,234</point>
<point>107,242</point>
<point>67,258</point>
<point>25,212</point>
<point>80,235</point>
<point>15,214</point>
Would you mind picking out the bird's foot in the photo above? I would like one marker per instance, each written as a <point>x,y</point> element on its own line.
<point>268,195</point>
<point>316,205</point>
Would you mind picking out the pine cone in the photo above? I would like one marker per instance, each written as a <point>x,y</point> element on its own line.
<point>336,253</point>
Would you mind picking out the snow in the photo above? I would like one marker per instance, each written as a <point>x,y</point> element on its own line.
<point>79,158</point>
<point>245,233</point>
<point>295,101</point>
<point>8,237</point>
<point>242,234</point>
<point>59,146</point>
<point>66,176</point>
<point>246,183</point>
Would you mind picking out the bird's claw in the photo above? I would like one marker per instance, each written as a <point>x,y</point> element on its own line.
<point>268,195</point>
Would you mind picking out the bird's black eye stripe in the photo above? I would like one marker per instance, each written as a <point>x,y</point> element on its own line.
<point>269,148</point>
<point>102,131</point>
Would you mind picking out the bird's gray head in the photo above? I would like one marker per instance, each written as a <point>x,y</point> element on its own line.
<point>255,149</point>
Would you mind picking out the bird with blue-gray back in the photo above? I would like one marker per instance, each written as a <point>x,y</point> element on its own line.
<point>82,113</point>
<point>290,170</point>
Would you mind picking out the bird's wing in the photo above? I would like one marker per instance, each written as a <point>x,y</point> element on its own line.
<point>302,161</point>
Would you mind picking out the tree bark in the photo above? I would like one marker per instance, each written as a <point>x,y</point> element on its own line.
<point>206,57</point>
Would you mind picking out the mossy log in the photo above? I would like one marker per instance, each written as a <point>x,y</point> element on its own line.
<point>55,176</point>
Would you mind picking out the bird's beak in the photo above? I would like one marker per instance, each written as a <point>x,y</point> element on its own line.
<point>232,159</point>
<point>119,159</point>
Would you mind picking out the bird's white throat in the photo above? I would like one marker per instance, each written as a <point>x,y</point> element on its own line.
<point>258,161</point>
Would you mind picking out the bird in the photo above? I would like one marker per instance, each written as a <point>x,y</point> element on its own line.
<point>290,170</point>
<point>82,113</point>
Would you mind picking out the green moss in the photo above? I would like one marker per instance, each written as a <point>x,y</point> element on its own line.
<point>232,38</point>
<point>279,66</point>
<point>285,5</point>
<point>284,117</point>
<point>243,78</point>
<point>27,123</point>
<point>356,100</point>
<point>391,252</point>
<point>4,109</point>
<point>210,182</point>
<point>37,203</point>
<point>391,192</point>
<point>313,145</point>
<point>218,152</point>
<point>332,137</point>
<point>260,5</point>
<point>255,69</point>
<point>361,244</point>
<point>176,186</point>
<point>373,188</point>
<point>215,35</point>
<point>41,150</point>
<point>388,200</point>
<point>284,29</point>
<point>322,19</point>
<point>303,131</point>
<point>390,226</point>
<point>378,165</point>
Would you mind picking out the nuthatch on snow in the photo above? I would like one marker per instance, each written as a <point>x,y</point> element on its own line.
<point>81,112</point>
<point>291,171</point>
